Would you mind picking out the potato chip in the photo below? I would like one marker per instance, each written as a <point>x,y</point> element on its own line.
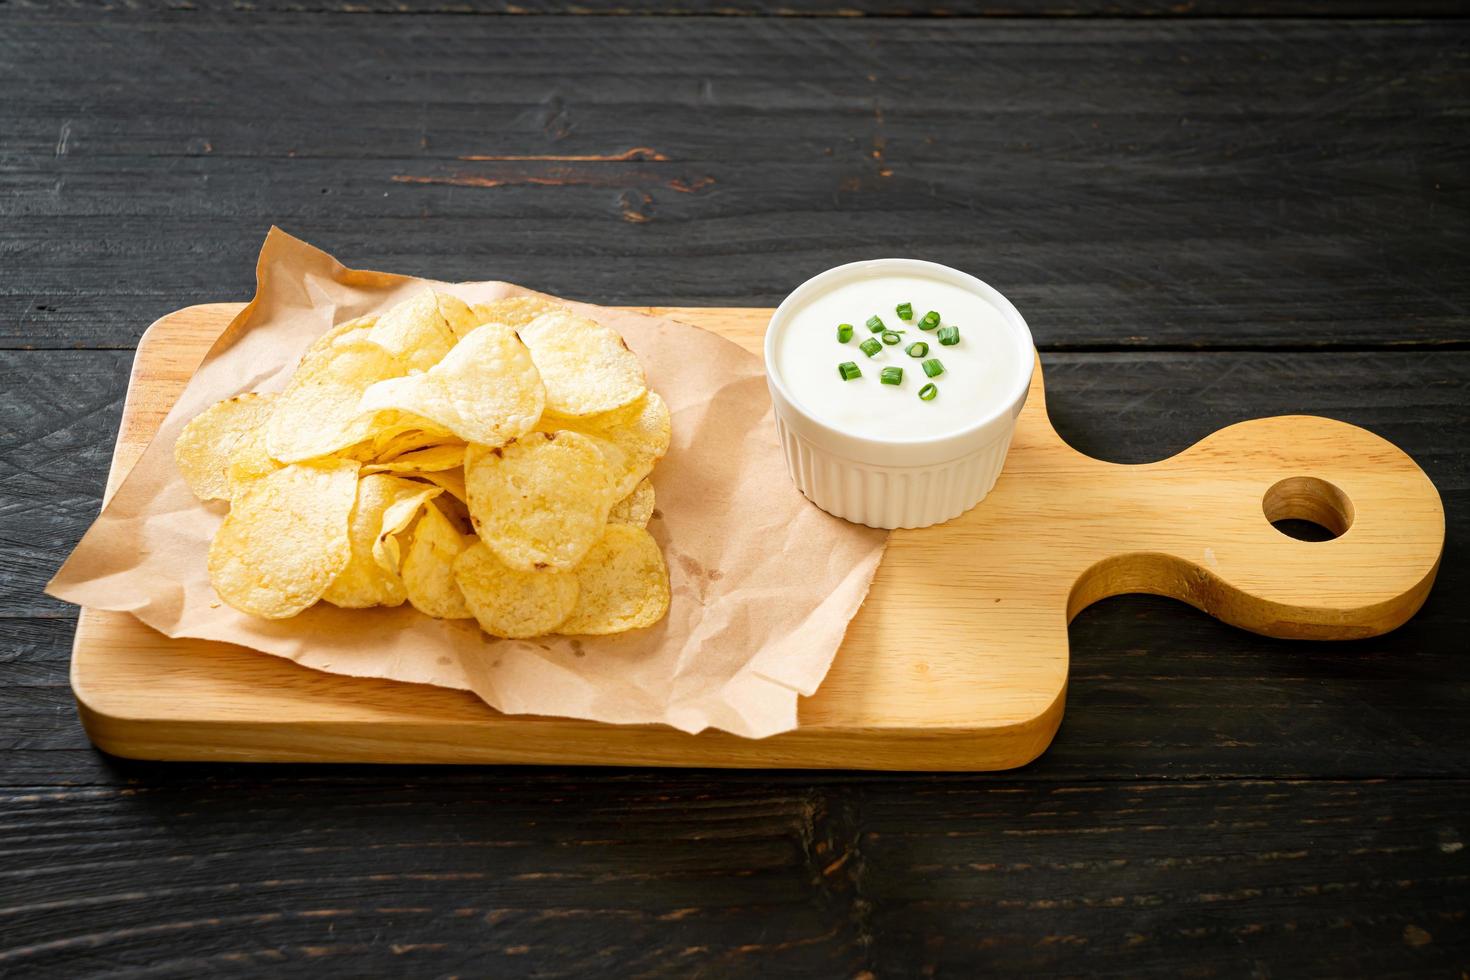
<point>486,390</point>
<point>429,460</point>
<point>636,508</point>
<point>517,311</point>
<point>414,331</point>
<point>512,603</point>
<point>387,550</point>
<point>450,481</point>
<point>624,584</point>
<point>346,332</point>
<point>457,315</point>
<point>633,438</point>
<point>541,501</point>
<point>428,566</point>
<point>202,450</point>
<point>285,538</point>
<point>249,461</point>
<point>402,432</point>
<point>385,505</point>
<point>318,413</point>
<point>586,367</point>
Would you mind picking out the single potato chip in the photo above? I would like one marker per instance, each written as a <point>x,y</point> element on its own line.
<point>450,481</point>
<point>401,432</point>
<point>203,448</point>
<point>586,367</point>
<point>249,461</point>
<point>348,331</point>
<point>415,332</point>
<point>385,505</point>
<point>636,508</point>
<point>429,460</point>
<point>541,501</point>
<point>517,311</point>
<point>512,603</point>
<point>318,413</point>
<point>428,566</point>
<point>624,584</point>
<point>633,438</point>
<point>457,315</point>
<point>285,538</point>
<point>486,390</point>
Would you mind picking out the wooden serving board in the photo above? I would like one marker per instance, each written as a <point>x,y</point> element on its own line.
<point>958,659</point>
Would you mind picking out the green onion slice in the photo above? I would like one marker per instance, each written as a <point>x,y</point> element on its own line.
<point>890,338</point>
<point>870,346</point>
<point>875,324</point>
<point>905,311</point>
<point>917,349</point>
<point>949,336</point>
<point>928,393</point>
<point>891,376</point>
<point>844,332</point>
<point>932,367</point>
<point>849,370</point>
<point>930,321</point>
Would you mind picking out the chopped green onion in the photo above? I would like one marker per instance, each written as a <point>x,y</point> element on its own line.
<point>849,370</point>
<point>905,311</point>
<point>917,349</point>
<point>870,346</point>
<point>930,321</point>
<point>891,376</point>
<point>844,332</point>
<point>927,393</point>
<point>949,336</point>
<point>875,324</point>
<point>932,367</point>
<point>890,338</point>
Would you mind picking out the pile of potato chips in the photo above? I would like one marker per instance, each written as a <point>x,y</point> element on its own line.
<point>488,463</point>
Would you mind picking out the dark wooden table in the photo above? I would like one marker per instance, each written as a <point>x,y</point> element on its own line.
<point>1204,218</point>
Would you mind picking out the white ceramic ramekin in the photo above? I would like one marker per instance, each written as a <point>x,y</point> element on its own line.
<point>886,482</point>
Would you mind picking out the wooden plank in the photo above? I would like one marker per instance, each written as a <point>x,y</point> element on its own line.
<point>520,874</point>
<point>1157,689</point>
<point>981,688</point>
<point>1102,174</point>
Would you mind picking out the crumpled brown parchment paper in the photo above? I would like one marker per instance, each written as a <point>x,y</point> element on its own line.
<point>764,584</point>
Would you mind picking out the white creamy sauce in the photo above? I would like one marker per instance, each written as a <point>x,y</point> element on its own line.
<point>977,370</point>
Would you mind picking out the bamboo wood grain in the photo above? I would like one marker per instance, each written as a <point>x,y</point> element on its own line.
<point>958,660</point>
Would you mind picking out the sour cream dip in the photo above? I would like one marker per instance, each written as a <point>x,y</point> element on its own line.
<point>878,453</point>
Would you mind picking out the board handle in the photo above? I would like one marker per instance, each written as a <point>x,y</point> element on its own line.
<point>1216,547</point>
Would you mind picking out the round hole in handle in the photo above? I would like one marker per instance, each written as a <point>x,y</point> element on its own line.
<point>1307,499</point>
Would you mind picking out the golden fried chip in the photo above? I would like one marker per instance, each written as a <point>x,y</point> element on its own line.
<point>636,508</point>
<point>318,413</point>
<point>402,432</point>
<point>385,505</point>
<point>414,332</point>
<point>429,460</point>
<point>512,603</point>
<point>624,584</point>
<point>633,438</point>
<point>485,390</point>
<point>457,315</point>
<point>249,461</point>
<point>541,501</point>
<point>428,566</point>
<point>516,311</point>
<point>285,538</point>
<point>346,332</point>
<point>202,450</point>
<point>586,367</point>
<point>450,481</point>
